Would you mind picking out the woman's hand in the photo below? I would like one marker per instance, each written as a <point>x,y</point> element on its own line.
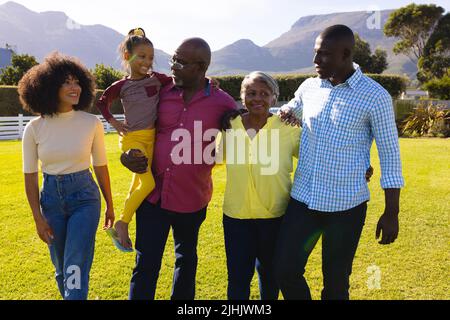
<point>121,127</point>
<point>32,190</point>
<point>44,231</point>
<point>104,183</point>
<point>109,218</point>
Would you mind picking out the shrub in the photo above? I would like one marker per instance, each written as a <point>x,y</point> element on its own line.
<point>105,76</point>
<point>231,85</point>
<point>439,88</point>
<point>10,105</point>
<point>428,120</point>
<point>9,102</point>
<point>402,109</point>
<point>20,64</point>
<point>288,84</point>
<point>394,84</point>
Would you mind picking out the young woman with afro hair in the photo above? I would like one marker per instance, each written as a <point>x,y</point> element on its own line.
<point>65,140</point>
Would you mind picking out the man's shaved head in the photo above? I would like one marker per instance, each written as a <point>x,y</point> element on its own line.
<point>192,58</point>
<point>339,33</point>
<point>200,47</point>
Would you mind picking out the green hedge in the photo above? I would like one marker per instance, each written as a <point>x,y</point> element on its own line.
<point>288,84</point>
<point>9,102</point>
<point>10,105</point>
<point>394,84</point>
<point>403,108</point>
<point>439,88</point>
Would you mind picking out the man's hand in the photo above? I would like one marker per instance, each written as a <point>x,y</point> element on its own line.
<point>369,174</point>
<point>388,226</point>
<point>230,115</point>
<point>288,117</point>
<point>135,161</point>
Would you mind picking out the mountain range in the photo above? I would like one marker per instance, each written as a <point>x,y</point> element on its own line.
<point>41,33</point>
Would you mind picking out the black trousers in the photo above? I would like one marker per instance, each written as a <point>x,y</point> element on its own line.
<point>152,228</point>
<point>250,244</point>
<point>300,230</point>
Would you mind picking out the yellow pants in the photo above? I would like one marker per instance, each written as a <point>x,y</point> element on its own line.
<point>142,184</point>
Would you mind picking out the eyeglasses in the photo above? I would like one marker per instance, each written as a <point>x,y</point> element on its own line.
<point>176,64</point>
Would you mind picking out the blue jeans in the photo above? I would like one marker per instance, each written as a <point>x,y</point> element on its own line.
<point>152,228</point>
<point>300,230</point>
<point>71,205</point>
<point>250,244</point>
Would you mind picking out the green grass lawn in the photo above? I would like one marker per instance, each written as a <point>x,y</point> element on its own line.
<point>414,267</point>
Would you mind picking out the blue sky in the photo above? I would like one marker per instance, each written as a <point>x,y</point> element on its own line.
<point>221,23</point>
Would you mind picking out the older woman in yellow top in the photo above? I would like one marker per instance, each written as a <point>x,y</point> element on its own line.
<point>258,150</point>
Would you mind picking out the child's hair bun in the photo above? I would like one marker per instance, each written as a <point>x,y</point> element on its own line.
<point>137,32</point>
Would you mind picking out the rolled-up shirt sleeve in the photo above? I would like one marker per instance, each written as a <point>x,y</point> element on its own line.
<point>98,146</point>
<point>295,104</point>
<point>384,130</point>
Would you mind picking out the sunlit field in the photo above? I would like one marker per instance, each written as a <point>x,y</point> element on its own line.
<point>414,267</point>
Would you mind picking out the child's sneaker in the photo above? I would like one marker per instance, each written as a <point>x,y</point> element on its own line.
<point>115,238</point>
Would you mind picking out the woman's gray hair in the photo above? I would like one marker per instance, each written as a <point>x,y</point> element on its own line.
<point>263,77</point>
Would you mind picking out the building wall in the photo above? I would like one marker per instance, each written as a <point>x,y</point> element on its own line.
<point>5,57</point>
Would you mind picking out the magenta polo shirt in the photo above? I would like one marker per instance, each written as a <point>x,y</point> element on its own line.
<point>186,187</point>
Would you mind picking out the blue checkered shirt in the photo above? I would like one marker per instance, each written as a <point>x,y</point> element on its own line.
<point>339,126</point>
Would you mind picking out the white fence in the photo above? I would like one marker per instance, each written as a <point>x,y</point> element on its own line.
<point>11,128</point>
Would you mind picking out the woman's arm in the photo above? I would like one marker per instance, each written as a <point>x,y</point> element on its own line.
<point>32,191</point>
<point>100,164</point>
<point>31,169</point>
<point>102,175</point>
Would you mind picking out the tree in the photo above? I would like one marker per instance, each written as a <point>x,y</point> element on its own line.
<point>413,25</point>
<point>20,64</point>
<point>435,61</point>
<point>439,88</point>
<point>106,76</point>
<point>379,61</point>
<point>368,62</point>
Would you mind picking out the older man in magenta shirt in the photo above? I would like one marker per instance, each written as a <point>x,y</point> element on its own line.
<point>190,110</point>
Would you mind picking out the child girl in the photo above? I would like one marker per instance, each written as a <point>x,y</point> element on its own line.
<point>139,94</point>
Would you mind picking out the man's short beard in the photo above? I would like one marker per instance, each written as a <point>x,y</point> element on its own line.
<point>178,82</point>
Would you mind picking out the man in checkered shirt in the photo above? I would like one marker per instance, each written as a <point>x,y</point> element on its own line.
<point>342,112</point>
